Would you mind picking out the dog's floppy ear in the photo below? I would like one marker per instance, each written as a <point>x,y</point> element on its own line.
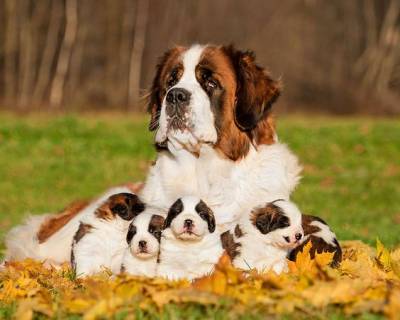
<point>175,209</point>
<point>131,233</point>
<point>269,218</point>
<point>127,206</point>
<point>206,214</point>
<point>256,91</point>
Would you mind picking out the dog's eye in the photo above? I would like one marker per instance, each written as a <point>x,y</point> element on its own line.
<point>211,84</point>
<point>157,234</point>
<point>172,79</point>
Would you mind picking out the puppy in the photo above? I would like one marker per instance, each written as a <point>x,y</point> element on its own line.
<point>262,239</point>
<point>143,238</point>
<point>321,237</point>
<point>190,247</point>
<point>100,239</point>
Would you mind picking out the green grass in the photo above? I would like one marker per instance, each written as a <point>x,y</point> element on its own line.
<point>351,176</point>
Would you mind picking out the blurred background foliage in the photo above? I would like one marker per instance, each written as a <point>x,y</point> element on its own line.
<point>333,56</point>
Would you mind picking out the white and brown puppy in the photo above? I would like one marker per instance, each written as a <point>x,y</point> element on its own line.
<point>190,245</point>
<point>143,238</point>
<point>262,239</point>
<point>100,240</point>
<point>322,239</point>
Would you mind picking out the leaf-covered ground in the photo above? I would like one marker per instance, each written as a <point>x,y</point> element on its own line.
<point>368,281</point>
<point>351,179</point>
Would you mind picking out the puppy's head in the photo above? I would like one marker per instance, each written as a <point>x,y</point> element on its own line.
<point>190,219</point>
<point>144,235</point>
<point>123,205</point>
<point>279,223</point>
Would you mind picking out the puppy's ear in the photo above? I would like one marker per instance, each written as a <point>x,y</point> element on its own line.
<point>175,209</point>
<point>206,214</point>
<point>256,91</point>
<point>264,222</point>
<point>157,89</point>
<point>131,233</point>
<point>135,204</point>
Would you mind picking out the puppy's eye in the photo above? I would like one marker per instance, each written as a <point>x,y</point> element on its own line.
<point>172,79</point>
<point>157,234</point>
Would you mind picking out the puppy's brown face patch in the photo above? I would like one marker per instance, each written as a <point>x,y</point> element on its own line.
<point>238,232</point>
<point>156,225</point>
<point>56,222</point>
<point>269,218</point>
<point>206,214</point>
<point>125,205</point>
<point>173,212</point>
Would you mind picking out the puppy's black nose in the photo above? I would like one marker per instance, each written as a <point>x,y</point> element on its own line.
<point>298,236</point>
<point>142,244</point>
<point>188,223</point>
<point>287,239</point>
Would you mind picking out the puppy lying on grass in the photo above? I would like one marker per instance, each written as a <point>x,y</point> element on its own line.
<point>100,240</point>
<point>262,239</point>
<point>190,246</point>
<point>143,238</point>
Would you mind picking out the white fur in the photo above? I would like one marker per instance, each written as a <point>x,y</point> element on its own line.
<point>201,118</point>
<point>229,188</point>
<point>325,233</point>
<point>133,261</point>
<point>102,247</point>
<point>265,252</point>
<point>21,241</point>
<point>188,257</point>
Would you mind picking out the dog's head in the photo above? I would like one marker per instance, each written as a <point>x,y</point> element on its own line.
<point>212,95</point>
<point>123,205</point>
<point>190,219</point>
<point>279,223</point>
<point>144,235</point>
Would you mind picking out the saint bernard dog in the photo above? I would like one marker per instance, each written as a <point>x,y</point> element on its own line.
<point>322,239</point>
<point>143,238</point>
<point>262,239</point>
<point>100,240</point>
<point>210,110</point>
<point>190,244</point>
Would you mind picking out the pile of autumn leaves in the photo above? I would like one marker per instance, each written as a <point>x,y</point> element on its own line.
<point>368,280</point>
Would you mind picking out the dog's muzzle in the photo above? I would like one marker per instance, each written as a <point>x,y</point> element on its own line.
<point>176,109</point>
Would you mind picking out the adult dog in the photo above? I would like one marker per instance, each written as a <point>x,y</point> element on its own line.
<point>210,109</point>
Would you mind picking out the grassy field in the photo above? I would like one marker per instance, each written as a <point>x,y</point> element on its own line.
<point>351,172</point>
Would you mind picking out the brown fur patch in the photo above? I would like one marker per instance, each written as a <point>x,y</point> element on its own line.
<point>122,200</point>
<point>269,218</point>
<point>83,229</point>
<point>230,246</point>
<point>156,225</point>
<point>238,231</point>
<point>54,223</point>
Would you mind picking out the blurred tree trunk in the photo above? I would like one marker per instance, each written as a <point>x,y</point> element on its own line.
<point>49,52</point>
<point>142,12</point>
<point>10,50</point>
<point>63,63</point>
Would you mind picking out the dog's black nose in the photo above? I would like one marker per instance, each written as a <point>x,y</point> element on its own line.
<point>178,96</point>
<point>298,236</point>
<point>177,101</point>
<point>188,223</point>
<point>142,244</point>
